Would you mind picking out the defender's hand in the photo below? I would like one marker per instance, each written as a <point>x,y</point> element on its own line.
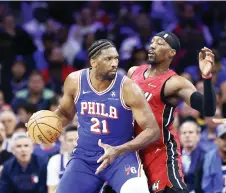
<point>220,121</point>
<point>206,61</point>
<point>110,154</point>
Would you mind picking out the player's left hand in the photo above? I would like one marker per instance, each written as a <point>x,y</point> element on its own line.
<point>110,154</point>
<point>206,61</point>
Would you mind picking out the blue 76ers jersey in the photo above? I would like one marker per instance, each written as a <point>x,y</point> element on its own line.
<point>102,115</point>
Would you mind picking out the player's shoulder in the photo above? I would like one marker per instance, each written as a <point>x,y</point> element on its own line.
<point>73,78</point>
<point>129,86</point>
<point>75,75</point>
<point>135,68</point>
<point>131,71</point>
<point>177,80</point>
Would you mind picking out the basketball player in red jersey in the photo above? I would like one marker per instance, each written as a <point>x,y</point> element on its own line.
<point>163,89</point>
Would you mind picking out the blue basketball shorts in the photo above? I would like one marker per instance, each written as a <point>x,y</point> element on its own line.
<point>79,176</point>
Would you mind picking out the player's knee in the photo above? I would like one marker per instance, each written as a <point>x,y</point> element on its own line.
<point>135,185</point>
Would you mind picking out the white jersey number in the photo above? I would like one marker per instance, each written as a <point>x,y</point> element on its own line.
<point>95,128</point>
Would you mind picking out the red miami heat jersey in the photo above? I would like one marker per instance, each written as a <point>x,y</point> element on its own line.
<point>152,88</point>
<point>167,149</point>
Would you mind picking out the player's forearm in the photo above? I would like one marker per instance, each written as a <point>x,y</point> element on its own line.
<point>209,106</point>
<point>145,138</point>
<point>224,110</point>
<point>205,104</point>
<point>64,117</point>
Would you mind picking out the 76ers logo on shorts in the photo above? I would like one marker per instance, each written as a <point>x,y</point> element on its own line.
<point>130,170</point>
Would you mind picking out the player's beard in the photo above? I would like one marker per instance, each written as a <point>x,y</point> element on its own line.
<point>152,61</point>
<point>109,77</point>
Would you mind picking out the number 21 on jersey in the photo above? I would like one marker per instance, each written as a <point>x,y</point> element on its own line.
<point>99,127</point>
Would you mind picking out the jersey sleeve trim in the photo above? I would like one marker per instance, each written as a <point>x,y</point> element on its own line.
<point>162,96</point>
<point>79,87</point>
<point>121,95</point>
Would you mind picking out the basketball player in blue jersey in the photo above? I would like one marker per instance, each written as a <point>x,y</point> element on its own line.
<point>106,103</point>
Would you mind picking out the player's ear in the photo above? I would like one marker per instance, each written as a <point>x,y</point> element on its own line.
<point>172,53</point>
<point>93,63</point>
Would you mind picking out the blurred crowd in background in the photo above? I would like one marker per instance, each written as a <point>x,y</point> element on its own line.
<point>42,42</point>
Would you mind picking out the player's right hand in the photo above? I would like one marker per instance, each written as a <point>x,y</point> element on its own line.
<point>110,154</point>
<point>220,121</point>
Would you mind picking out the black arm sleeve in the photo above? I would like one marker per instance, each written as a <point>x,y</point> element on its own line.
<point>205,104</point>
<point>224,110</point>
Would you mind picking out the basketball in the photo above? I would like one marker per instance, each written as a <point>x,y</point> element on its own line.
<point>44,127</point>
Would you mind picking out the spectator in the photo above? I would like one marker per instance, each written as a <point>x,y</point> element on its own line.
<point>41,57</point>
<point>186,112</point>
<point>85,24</point>
<point>53,104</point>
<point>193,35</point>
<point>57,163</point>
<point>139,56</point>
<point>81,59</point>
<point>3,105</point>
<point>19,80</point>
<point>25,111</point>
<point>8,118</point>
<point>220,42</point>
<point>20,127</point>
<point>219,78</point>
<point>57,70</point>
<point>140,39</point>
<point>36,93</point>
<point>4,154</point>
<point>208,135</point>
<point>37,26</point>
<point>26,172</point>
<point>192,155</point>
<point>47,150</point>
<point>214,172</point>
<point>14,40</point>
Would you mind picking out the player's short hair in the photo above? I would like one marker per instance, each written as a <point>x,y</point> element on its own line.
<point>70,128</point>
<point>95,49</point>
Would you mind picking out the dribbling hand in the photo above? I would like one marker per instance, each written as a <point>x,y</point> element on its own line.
<point>206,61</point>
<point>220,121</point>
<point>110,154</point>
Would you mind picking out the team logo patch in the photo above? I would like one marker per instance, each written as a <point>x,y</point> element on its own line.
<point>130,170</point>
<point>34,179</point>
<point>113,94</point>
<point>155,186</point>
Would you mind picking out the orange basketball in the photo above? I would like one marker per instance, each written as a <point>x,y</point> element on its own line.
<point>44,127</point>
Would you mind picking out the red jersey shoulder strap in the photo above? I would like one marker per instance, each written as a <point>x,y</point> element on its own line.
<point>140,70</point>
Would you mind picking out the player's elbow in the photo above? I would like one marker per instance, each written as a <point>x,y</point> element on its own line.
<point>154,133</point>
<point>157,133</point>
